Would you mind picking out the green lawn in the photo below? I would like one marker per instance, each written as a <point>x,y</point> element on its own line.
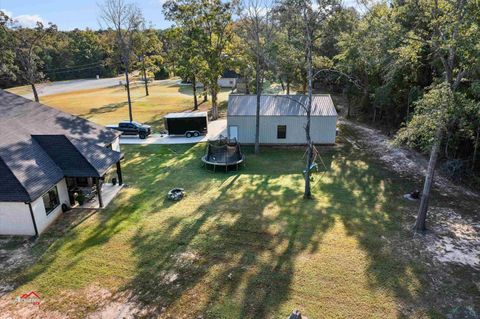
<point>109,105</point>
<point>243,245</point>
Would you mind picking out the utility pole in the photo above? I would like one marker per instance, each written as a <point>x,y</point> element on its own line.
<point>144,74</point>
<point>127,62</point>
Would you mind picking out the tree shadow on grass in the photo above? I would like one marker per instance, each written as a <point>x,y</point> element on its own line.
<point>108,108</point>
<point>237,232</point>
<point>249,237</point>
<point>236,256</point>
<point>232,247</point>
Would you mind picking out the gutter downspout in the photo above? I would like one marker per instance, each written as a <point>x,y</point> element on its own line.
<point>33,219</point>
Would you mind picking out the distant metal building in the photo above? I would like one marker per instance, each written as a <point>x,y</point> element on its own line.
<point>282,119</point>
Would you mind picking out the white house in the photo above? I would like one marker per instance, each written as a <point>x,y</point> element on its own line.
<point>44,155</point>
<point>228,79</point>
<point>282,119</point>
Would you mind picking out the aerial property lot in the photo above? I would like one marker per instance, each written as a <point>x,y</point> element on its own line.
<point>244,244</point>
<point>108,105</point>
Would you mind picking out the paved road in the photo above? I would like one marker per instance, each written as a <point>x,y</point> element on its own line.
<point>84,84</point>
<point>215,129</point>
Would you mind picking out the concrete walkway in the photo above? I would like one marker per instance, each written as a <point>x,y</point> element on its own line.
<point>215,129</point>
<point>109,192</point>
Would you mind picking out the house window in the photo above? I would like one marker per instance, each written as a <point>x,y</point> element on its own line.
<point>51,200</point>
<point>281,131</point>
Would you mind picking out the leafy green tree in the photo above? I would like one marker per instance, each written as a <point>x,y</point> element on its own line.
<point>288,50</point>
<point>188,61</point>
<point>8,69</point>
<point>212,19</point>
<point>148,49</point>
<point>86,49</point>
<point>441,110</point>
<point>27,45</point>
<point>451,27</point>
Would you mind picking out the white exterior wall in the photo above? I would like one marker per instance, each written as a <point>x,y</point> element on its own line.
<point>15,218</point>
<point>116,144</point>
<point>43,221</point>
<point>323,129</point>
<point>227,82</point>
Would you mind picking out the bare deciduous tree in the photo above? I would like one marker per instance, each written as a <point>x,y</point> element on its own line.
<point>124,19</point>
<point>256,29</point>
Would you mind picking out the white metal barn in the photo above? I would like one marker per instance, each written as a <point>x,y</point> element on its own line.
<point>282,119</point>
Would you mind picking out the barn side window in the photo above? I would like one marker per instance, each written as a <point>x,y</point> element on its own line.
<point>281,131</point>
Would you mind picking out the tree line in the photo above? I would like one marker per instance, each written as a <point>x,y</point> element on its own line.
<point>34,55</point>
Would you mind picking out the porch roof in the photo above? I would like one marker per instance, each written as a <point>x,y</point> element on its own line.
<point>77,158</point>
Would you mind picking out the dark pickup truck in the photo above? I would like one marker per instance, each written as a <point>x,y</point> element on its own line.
<point>132,128</point>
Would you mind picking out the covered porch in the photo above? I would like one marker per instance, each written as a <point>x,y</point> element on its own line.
<point>108,192</point>
<point>94,191</point>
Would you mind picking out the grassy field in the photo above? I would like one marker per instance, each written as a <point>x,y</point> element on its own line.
<point>109,105</point>
<point>243,245</point>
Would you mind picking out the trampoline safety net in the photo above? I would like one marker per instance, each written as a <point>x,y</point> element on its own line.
<point>223,152</point>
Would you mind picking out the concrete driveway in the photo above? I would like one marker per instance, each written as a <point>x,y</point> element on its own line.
<point>215,129</point>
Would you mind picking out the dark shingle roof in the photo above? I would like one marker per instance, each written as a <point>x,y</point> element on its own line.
<point>34,163</point>
<point>21,116</point>
<point>31,166</point>
<point>77,158</point>
<point>10,187</point>
<point>230,74</point>
<point>101,158</point>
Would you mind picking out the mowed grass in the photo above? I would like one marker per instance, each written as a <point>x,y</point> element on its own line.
<point>241,244</point>
<point>109,105</point>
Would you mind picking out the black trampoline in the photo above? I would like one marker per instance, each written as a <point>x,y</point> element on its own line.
<point>223,153</point>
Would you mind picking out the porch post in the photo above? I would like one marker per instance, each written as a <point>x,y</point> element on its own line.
<point>99,192</point>
<point>119,174</point>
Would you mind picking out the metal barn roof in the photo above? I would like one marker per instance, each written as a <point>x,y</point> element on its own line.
<point>185,114</point>
<point>280,105</point>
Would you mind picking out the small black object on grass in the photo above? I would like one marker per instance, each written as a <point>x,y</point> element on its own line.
<point>414,195</point>
<point>176,194</point>
<point>295,315</point>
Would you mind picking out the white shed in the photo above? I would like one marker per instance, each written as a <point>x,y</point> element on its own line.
<point>282,119</point>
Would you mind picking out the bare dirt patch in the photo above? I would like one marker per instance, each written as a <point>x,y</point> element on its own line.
<point>98,302</point>
<point>15,253</point>
<point>450,248</point>
<point>452,238</point>
<point>401,160</point>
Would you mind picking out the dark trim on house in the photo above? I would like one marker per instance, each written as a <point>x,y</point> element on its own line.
<point>33,219</point>
<point>99,192</point>
<point>119,173</point>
